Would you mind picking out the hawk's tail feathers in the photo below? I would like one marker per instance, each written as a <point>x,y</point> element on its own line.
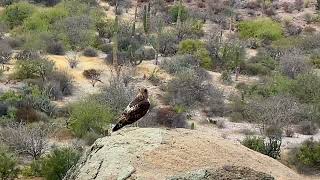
<point>117,127</point>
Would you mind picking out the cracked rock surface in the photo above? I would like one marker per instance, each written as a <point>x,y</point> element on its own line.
<point>159,154</point>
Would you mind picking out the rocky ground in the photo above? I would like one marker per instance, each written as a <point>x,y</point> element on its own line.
<point>155,154</point>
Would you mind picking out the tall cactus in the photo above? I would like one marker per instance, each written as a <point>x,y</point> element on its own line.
<point>179,14</point>
<point>115,42</point>
<point>135,20</point>
<point>146,18</point>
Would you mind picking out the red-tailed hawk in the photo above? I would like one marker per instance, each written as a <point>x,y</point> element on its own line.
<point>135,110</point>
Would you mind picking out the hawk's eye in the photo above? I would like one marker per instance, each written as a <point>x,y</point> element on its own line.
<point>145,90</point>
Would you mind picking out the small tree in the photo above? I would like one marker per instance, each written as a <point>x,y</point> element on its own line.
<point>5,53</point>
<point>93,75</point>
<point>29,140</point>
<point>73,59</point>
<point>273,114</point>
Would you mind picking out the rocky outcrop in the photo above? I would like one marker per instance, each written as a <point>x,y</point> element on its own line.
<point>227,172</point>
<point>156,154</point>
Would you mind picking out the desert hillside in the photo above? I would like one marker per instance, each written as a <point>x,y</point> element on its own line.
<point>159,89</point>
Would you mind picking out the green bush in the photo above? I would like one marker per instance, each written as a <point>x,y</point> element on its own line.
<point>256,69</point>
<point>8,169</point>
<point>275,85</point>
<point>261,64</point>
<point>254,143</point>
<point>16,13</point>
<point>261,28</point>
<point>196,48</point>
<point>307,88</point>
<point>90,116</point>
<point>39,68</point>
<point>306,157</point>
<point>315,60</point>
<point>270,148</point>
<point>232,55</point>
<point>174,10</point>
<point>55,165</point>
<point>36,23</point>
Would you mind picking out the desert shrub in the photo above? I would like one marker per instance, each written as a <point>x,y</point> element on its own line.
<point>231,55</point>
<point>299,4</point>
<point>292,30</point>
<point>273,114</point>
<point>73,59</point>
<point>256,69</point>
<point>271,147</point>
<point>55,47</point>
<point>306,158</point>
<point>315,60</point>
<point>308,18</point>
<point>190,29</point>
<point>196,48</point>
<point>27,114</point>
<point>293,64</point>
<point>237,109</point>
<point>5,53</point>
<point>306,88</point>
<point>90,52</point>
<point>275,85</point>
<point>59,84</point>
<point>89,116</point>
<point>105,28</point>
<point>36,23</point>
<point>27,55</point>
<point>145,53</point>
<point>8,169</point>
<point>309,43</point>
<point>16,13</point>
<point>288,7</point>
<point>187,89</point>
<point>174,11</point>
<point>15,42</point>
<point>179,63</point>
<point>226,77</point>
<point>168,42</point>
<point>117,95</point>
<point>254,143</point>
<point>10,98</point>
<point>253,4</point>
<point>38,98</point>
<point>38,68</point>
<point>55,165</point>
<point>154,77</point>
<point>262,28</point>
<point>29,140</point>
<point>307,128</point>
<point>165,116</point>
<point>76,31</point>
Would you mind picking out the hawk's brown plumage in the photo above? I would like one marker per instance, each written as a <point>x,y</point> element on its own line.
<point>135,110</point>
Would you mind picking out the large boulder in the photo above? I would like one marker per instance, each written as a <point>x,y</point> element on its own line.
<point>157,154</point>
